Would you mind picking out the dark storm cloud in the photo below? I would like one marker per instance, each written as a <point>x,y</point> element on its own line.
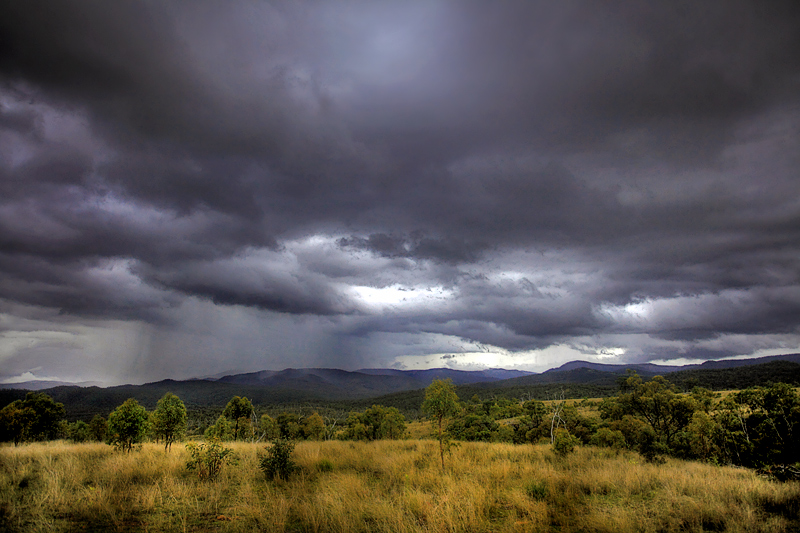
<point>551,169</point>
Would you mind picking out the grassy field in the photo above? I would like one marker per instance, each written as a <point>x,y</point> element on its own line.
<point>392,486</point>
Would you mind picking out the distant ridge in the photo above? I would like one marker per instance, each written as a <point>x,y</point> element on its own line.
<point>642,368</point>
<point>366,382</point>
<point>653,369</point>
<point>346,390</point>
<point>41,384</point>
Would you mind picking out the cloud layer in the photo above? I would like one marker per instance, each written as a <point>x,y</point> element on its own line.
<point>266,184</point>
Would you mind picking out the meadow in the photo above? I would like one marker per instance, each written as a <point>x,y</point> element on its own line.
<point>391,486</point>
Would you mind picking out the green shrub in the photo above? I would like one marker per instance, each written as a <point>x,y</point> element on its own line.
<point>608,438</point>
<point>278,460</point>
<point>564,443</point>
<point>208,459</point>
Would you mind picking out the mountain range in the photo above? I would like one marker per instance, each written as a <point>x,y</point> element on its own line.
<point>346,389</point>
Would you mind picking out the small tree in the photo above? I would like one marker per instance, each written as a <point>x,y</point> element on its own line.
<point>79,432</point>
<point>127,424</point>
<point>98,427</point>
<point>289,426</point>
<point>278,460</point>
<point>222,430</point>
<point>169,419</point>
<point>313,427</point>
<point>441,402</point>
<point>238,408</point>
<point>269,427</point>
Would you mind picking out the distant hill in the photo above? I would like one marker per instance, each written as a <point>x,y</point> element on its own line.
<point>652,369</point>
<point>43,384</point>
<point>640,368</point>
<point>286,387</point>
<point>365,383</point>
<point>342,390</point>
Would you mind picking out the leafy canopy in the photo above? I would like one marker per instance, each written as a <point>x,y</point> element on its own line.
<point>169,419</point>
<point>127,424</point>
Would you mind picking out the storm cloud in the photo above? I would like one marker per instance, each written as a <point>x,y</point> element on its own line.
<point>251,184</point>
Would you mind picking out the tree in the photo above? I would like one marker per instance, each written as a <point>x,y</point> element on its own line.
<point>237,409</point>
<point>288,426</point>
<point>79,431</point>
<point>759,425</point>
<point>169,419</point>
<point>659,405</point>
<point>127,424</point>
<point>313,427</point>
<point>15,422</point>
<point>269,428</point>
<point>441,402</point>
<point>375,423</point>
<point>222,430</point>
<point>37,417</point>
<point>98,427</point>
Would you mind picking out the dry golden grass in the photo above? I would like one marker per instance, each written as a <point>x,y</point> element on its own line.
<point>392,486</point>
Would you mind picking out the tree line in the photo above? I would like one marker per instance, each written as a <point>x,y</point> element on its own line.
<point>753,427</point>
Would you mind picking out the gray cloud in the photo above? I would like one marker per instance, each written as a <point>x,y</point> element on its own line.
<point>421,178</point>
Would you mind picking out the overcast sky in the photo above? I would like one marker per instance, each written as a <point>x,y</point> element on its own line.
<point>188,188</point>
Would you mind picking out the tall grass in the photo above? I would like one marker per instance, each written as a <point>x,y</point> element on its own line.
<point>393,486</point>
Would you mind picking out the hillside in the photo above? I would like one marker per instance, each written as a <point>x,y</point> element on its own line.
<point>341,391</point>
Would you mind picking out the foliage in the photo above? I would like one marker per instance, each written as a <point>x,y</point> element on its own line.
<point>15,422</point>
<point>759,426</point>
<point>441,402</point>
<point>474,427</point>
<point>277,462</point>
<point>269,427</point>
<point>169,419</point>
<point>79,432</point>
<point>222,430</point>
<point>564,443</point>
<point>375,423</point>
<point>127,424</point>
<point>207,459</point>
<point>35,418</point>
<point>289,426</point>
<point>98,427</point>
<point>658,403</point>
<point>239,410</point>
<point>313,427</point>
<point>651,415</point>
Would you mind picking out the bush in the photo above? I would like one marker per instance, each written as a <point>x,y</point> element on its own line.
<point>208,459</point>
<point>608,438</point>
<point>564,443</point>
<point>278,460</point>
